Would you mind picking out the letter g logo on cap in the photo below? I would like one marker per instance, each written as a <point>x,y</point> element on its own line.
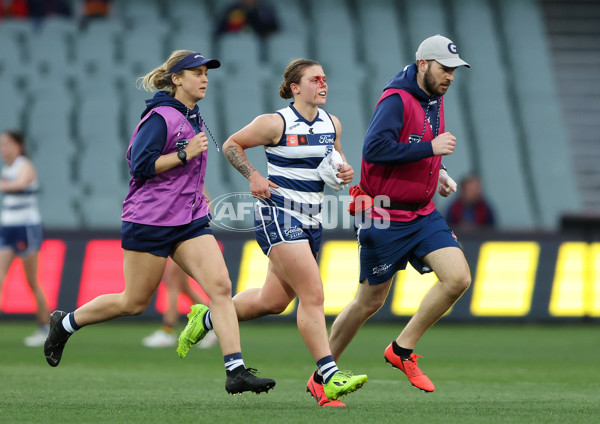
<point>452,48</point>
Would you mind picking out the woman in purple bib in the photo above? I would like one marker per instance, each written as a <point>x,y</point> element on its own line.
<point>165,214</point>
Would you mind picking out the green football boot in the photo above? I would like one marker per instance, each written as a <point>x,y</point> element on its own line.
<point>342,383</point>
<point>194,331</point>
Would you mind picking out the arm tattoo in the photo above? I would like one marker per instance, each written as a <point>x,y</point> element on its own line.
<point>237,158</point>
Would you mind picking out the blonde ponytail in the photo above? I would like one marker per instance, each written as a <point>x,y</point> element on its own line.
<point>160,78</point>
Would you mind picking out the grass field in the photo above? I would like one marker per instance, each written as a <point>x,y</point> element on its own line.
<point>483,374</point>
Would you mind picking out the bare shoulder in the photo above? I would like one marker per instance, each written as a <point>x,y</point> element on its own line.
<point>263,130</point>
<point>336,122</point>
<point>27,169</point>
<point>269,121</point>
<point>335,119</point>
<point>270,125</point>
<point>27,163</point>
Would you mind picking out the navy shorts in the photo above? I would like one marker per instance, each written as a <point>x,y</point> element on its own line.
<point>384,251</point>
<point>22,239</point>
<point>158,240</point>
<point>273,226</point>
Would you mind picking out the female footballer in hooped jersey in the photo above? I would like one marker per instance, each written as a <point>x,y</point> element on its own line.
<point>21,224</point>
<point>288,216</point>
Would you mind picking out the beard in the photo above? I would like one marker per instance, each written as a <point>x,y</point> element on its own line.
<point>431,86</point>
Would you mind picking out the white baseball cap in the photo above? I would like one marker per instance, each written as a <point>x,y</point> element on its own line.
<point>442,50</point>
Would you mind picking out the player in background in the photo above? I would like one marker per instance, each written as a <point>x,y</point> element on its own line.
<point>288,227</point>
<point>21,234</point>
<point>165,214</point>
<point>395,217</point>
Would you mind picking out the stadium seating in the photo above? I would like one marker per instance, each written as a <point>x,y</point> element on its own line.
<point>11,53</point>
<point>188,37</point>
<point>134,100</point>
<point>544,133</point>
<point>239,52</point>
<point>49,48</point>
<point>384,51</point>
<point>493,123</point>
<point>241,102</point>
<point>73,91</point>
<point>143,48</point>
<point>417,12</point>
<point>140,12</point>
<point>283,48</point>
<point>218,171</point>
<point>293,17</point>
<point>97,44</point>
<point>12,110</point>
<point>573,32</point>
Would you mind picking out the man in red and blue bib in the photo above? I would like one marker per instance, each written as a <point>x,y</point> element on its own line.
<point>395,217</point>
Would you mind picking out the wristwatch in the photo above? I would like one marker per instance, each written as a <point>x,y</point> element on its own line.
<point>182,155</point>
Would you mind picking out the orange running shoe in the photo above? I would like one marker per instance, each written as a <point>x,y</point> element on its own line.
<point>410,368</point>
<point>316,390</point>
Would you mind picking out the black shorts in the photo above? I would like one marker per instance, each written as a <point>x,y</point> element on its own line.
<point>160,240</point>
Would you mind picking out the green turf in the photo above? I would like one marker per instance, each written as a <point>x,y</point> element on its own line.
<point>483,374</point>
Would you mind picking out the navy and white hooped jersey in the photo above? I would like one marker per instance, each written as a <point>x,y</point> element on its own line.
<point>292,164</point>
<point>19,208</point>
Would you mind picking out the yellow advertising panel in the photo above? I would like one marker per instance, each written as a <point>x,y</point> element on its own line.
<point>253,271</point>
<point>409,288</point>
<point>505,278</point>
<point>339,271</point>
<point>576,286</point>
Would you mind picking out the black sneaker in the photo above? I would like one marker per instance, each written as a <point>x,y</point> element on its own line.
<point>57,338</point>
<point>243,380</point>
